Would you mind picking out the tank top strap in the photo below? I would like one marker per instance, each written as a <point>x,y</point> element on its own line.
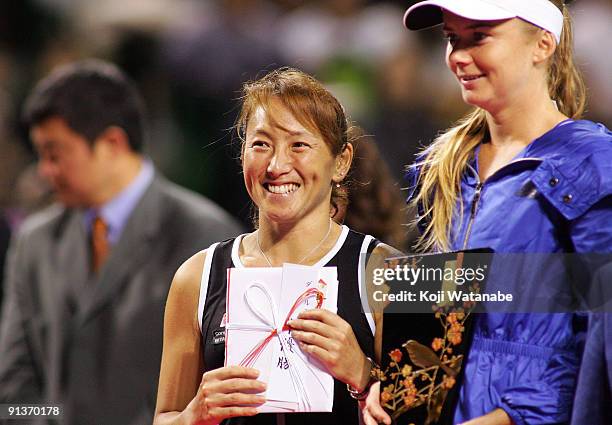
<point>210,252</point>
<point>212,285</point>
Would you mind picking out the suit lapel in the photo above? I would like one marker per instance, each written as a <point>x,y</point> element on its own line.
<point>71,263</point>
<point>130,253</point>
<point>68,277</point>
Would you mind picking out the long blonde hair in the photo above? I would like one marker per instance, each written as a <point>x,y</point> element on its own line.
<point>446,159</point>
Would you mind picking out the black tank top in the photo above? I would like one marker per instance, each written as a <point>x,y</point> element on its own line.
<point>346,257</point>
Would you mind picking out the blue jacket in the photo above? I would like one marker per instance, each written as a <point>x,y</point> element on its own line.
<point>594,390</point>
<point>555,196</point>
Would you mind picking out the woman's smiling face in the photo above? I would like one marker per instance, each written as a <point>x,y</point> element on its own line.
<point>288,168</point>
<point>492,60</point>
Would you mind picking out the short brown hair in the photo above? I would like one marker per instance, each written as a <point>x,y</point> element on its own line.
<point>308,101</point>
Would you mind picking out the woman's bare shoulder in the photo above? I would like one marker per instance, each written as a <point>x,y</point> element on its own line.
<point>386,251</point>
<point>186,282</point>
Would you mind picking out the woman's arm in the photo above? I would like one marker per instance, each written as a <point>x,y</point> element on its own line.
<point>330,339</point>
<point>185,395</point>
<point>182,363</point>
<point>372,411</point>
<point>377,261</point>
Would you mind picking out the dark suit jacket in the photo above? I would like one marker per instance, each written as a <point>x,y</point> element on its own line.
<point>5,237</point>
<point>93,343</point>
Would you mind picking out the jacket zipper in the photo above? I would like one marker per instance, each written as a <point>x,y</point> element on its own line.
<point>477,193</point>
<point>474,207</point>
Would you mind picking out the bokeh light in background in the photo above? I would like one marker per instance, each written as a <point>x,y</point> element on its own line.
<point>189,58</point>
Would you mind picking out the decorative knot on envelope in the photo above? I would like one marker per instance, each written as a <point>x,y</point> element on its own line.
<point>264,300</point>
<point>275,328</point>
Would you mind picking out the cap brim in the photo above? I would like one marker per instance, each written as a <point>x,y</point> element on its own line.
<point>427,14</point>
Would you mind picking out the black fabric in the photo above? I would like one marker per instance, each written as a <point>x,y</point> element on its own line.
<point>5,238</point>
<point>345,410</point>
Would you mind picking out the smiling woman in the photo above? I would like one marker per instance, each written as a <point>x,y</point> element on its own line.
<point>300,113</point>
<point>289,169</point>
<point>500,178</point>
<point>490,59</point>
<point>296,153</point>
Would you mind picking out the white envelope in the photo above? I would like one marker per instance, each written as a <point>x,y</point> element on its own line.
<point>258,301</point>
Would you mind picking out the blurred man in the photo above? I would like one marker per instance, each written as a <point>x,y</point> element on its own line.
<point>87,279</point>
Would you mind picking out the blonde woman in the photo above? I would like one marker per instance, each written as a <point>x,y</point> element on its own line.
<point>519,174</point>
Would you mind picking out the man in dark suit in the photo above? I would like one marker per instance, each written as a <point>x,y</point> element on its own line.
<point>87,279</point>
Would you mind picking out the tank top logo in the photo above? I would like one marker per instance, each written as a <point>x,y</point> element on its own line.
<point>218,336</point>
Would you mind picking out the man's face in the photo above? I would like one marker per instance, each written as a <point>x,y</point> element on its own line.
<point>74,169</point>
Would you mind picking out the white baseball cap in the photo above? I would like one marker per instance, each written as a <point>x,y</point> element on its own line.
<point>541,13</point>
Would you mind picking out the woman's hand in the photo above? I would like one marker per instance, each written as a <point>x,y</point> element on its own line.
<point>496,417</point>
<point>330,339</point>
<point>226,392</point>
<point>373,413</point>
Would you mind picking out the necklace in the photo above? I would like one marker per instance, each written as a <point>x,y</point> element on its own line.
<point>305,256</point>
